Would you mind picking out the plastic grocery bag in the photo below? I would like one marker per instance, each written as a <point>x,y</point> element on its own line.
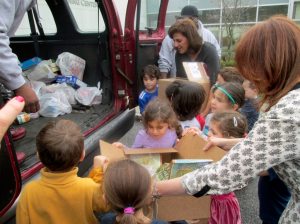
<point>37,86</point>
<point>63,89</point>
<point>54,104</point>
<point>41,72</point>
<point>89,95</point>
<point>70,64</point>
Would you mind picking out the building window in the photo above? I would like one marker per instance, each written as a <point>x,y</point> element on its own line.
<point>296,11</point>
<point>266,12</point>
<point>210,16</point>
<point>272,2</point>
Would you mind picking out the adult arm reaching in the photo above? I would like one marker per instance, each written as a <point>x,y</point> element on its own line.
<point>11,15</point>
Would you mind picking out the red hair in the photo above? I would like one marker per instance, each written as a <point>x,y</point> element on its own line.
<point>269,56</point>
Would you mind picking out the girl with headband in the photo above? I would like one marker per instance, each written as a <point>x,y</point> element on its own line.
<point>225,208</point>
<point>228,96</point>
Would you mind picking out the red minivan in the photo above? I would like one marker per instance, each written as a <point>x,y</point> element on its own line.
<point>114,57</point>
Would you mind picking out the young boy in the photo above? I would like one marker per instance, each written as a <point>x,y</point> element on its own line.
<point>150,76</point>
<point>60,196</point>
<point>250,108</point>
<point>229,74</point>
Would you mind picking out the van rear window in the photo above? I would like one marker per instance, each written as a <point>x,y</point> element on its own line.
<point>46,19</point>
<point>86,15</point>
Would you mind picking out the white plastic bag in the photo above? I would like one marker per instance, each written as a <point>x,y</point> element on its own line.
<point>54,104</point>
<point>37,86</point>
<point>70,64</point>
<point>89,95</point>
<point>63,89</point>
<point>42,72</point>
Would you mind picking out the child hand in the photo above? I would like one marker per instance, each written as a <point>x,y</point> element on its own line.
<point>193,130</point>
<point>101,162</point>
<point>119,145</point>
<point>224,143</point>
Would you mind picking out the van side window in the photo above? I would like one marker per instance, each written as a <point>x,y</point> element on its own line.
<point>86,15</point>
<point>46,19</point>
<point>149,14</point>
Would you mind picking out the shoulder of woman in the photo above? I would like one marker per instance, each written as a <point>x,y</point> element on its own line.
<point>209,47</point>
<point>290,101</point>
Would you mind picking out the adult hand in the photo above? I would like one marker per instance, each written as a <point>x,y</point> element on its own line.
<point>9,112</point>
<point>224,143</point>
<point>31,100</point>
<point>192,130</point>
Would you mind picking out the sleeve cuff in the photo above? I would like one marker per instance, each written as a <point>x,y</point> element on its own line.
<point>96,174</point>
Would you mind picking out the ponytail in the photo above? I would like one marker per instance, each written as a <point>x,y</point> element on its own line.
<point>128,219</point>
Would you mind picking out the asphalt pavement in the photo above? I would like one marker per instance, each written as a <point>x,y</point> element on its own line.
<point>247,196</point>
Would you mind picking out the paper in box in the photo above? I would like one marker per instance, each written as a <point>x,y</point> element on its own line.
<point>171,208</point>
<point>195,73</point>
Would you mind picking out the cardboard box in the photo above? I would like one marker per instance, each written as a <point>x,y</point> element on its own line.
<point>171,208</point>
<point>195,73</point>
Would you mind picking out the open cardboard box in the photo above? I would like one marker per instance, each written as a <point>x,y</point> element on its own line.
<point>195,73</point>
<point>171,208</point>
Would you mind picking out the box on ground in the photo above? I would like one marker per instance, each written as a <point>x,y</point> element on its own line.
<point>171,208</point>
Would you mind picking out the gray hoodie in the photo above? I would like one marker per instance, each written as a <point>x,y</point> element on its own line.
<point>11,15</point>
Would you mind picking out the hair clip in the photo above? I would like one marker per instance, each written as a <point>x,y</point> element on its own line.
<point>235,122</point>
<point>129,210</point>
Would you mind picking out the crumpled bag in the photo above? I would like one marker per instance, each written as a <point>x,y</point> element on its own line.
<point>54,104</point>
<point>42,72</point>
<point>70,64</point>
<point>63,89</point>
<point>37,87</point>
<point>89,95</point>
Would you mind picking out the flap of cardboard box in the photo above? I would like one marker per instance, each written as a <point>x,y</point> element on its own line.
<point>110,151</point>
<point>191,147</point>
<point>129,151</point>
<point>172,208</point>
<point>114,153</point>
